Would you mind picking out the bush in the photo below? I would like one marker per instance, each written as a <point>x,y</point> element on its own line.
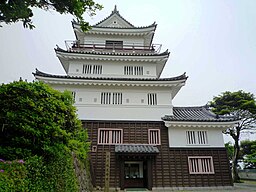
<point>39,125</point>
<point>13,176</point>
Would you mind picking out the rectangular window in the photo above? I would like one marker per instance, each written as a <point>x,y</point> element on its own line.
<point>105,98</point>
<point>110,136</point>
<point>197,137</point>
<point>74,95</point>
<point>108,98</point>
<point>200,165</point>
<point>117,98</point>
<point>154,137</point>
<point>87,69</point>
<point>152,99</point>
<point>97,69</point>
<point>114,44</point>
<point>92,69</point>
<point>133,70</point>
<point>138,70</point>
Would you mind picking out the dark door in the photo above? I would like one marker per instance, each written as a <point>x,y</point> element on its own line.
<point>134,174</point>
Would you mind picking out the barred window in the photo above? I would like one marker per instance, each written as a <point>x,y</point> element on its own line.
<point>105,98</point>
<point>74,95</point>
<point>97,69</point>
<point>154,137</point>
<point>92,69</point>
<point>197,137</point>
<point>108,98</point>
<point>117,98</point>
<point>87,69</point>
<point>200,165</point>
<point>152,99</point>
<point>133,70</point>
<point>138,70</point>
<point>110,136</point>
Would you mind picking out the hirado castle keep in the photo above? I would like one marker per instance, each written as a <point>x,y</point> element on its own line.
<point>138,138</point>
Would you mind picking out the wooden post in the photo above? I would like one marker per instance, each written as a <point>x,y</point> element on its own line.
<point>107,172</point>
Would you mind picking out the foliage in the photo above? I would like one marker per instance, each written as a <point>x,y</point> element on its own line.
<point>230,150</point>
<point>16,10</point>
<point>13,176</point>
<point>248,150</point>
<point>243,106</point>
<point>56,174</point>
<point>40,125</point>
<point>36,119</point>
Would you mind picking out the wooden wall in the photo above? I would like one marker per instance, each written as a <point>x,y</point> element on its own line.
<point>170,167</point>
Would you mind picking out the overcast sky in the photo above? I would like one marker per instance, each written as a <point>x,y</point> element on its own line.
<point>213,41</point>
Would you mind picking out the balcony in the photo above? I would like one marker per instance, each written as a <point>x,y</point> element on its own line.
<point>74,46</point>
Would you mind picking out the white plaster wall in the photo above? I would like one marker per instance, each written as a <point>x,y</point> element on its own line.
<point>177,136</point>
<point>112,68</point>
<point>135,105</point>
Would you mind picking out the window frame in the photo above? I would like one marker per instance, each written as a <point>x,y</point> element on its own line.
<point>201,166</point>
<point>149,137</point>
<point>195,137</point>
<point>152,99</point>
<point>110,137</point>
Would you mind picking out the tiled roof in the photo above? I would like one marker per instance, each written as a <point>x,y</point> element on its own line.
<point>115,11</point>
<point>201,113</point>
<point>136,148</point>
<point>42,74</point>
<point>113,53</point>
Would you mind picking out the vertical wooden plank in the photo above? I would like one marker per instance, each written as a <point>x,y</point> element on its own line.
<point>122,174</point>
<point>107,172</point>
<point>150,178</point>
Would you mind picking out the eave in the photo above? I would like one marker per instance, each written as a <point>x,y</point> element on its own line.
<point>175,82</point>
<point>200,124</point>
<point>159,59</point>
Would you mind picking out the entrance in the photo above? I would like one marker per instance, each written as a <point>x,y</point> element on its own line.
<point>135,173</point>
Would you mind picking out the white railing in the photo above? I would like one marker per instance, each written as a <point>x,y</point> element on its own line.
<point>77,46</point>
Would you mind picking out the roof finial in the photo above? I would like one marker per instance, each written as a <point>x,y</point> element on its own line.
<point>115,10</point>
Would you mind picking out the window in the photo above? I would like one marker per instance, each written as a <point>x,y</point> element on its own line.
<point>87,69</point>
<point>200,165</point>
<point>117,98</point>
<point>133,169</point>
<point>110,136</point>
<point>114,44</point>
<point>97,69</point>
<point>74,95</point>
<point>92,69</point>
<point>138,70</point>
<point>105,98</point>
<point>128,70</point>
<point>108,98</point>
<point>133,70</point>
<point>154,137</point>
<point>197,137</point>
<point>152,99</point>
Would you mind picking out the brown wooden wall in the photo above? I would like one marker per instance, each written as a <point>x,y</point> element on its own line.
<point>170,167</point>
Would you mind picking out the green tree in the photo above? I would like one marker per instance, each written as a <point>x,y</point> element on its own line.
<point>39,125</point>
<point>12,11</point>
<point>248,152</point>
<point>242,105</point>
<point>230,150</point>
<point>38,120</point>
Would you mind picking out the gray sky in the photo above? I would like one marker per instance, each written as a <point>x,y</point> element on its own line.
<point>213,41</point>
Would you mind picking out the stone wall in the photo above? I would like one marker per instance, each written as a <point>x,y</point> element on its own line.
<point>82,174</point>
